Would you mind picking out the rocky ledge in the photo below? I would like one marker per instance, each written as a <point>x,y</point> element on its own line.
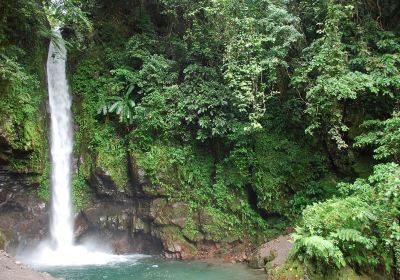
<point>140,218</point>
<point>23,215</point>
<point>11,269</point>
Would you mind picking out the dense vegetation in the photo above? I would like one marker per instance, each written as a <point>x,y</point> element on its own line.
<point>267,113</point>
<point>21,80</point>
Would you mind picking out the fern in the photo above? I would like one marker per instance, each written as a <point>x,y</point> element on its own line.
<point>355,246</point>
<point>352,235</point>
<point>317,248</point>
<point>357,228</point>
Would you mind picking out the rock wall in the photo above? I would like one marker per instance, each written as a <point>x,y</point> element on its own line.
<point>144,220</point>
<point>23,215</point>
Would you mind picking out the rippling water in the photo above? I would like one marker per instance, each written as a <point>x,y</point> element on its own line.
<point>143,268</point>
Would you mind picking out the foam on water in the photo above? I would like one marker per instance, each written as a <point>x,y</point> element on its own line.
<point>77,255</point>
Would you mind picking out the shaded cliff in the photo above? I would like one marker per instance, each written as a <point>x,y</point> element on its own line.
<point>23,120</point>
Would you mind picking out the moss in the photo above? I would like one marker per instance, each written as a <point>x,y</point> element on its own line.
<point>191,228</point>
<point>23,88</point>
<point>161,164</point>
<point>80,192</point>
<point>112,157</point>
<point>182,173</point>
<point>293,269</point>
<point>44,183</point>
<point>97,143</point>
<point>222,226</point>
<point>173,235</point>
<point>283,168</point>
<point>23,125</point>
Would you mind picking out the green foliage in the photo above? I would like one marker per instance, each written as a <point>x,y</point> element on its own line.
<point>260,37</point>
<point>217,92</point>
<point>212,98</point>
<point>122,106</point>
<point>112,156</point>
<point>23,89</point>
<point>204,102</point>
<point>69,14</point>
<point>184,175</point>
<point>317,249</point>
<point>44,181</point>
<point>384,135</point>
<point>182,100</point>
<point>105,148</point>
<point>359,226</point>
<point>80,191</point>
<point>22,53</point>
<point>280,168</point>
<point>293,269</point>
<point>349,75</point>
<point>349,62</point>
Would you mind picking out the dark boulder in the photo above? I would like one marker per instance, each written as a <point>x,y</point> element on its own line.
<point>125,225</point>
<point>102,183</point>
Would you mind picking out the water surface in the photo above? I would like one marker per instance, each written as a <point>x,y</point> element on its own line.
<point>158,269</point>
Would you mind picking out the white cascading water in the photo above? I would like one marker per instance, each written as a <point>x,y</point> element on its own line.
<point>61,223</point>
<point>61,250</point>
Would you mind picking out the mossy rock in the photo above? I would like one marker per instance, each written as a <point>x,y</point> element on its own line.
<point>165,213</point>
<point>217,225</point>
<point>293,270</point>
<point>191,230</point>
<point>112,157</point>
<point>174,243</point>
<point>154,190</point>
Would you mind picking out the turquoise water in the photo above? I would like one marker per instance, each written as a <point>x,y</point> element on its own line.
<point>158,269</point>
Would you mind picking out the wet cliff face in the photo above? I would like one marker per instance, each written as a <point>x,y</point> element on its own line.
<point>23,215</point>
<point>119,218</point>
<point>123,225</point>
<point>144,220</point>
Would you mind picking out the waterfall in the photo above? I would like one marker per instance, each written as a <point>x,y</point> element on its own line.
<point>61,223</point>
<point>60,250</point>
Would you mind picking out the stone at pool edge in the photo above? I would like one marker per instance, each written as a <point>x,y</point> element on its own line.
<point>257,261</point>
<point>271,254</point>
